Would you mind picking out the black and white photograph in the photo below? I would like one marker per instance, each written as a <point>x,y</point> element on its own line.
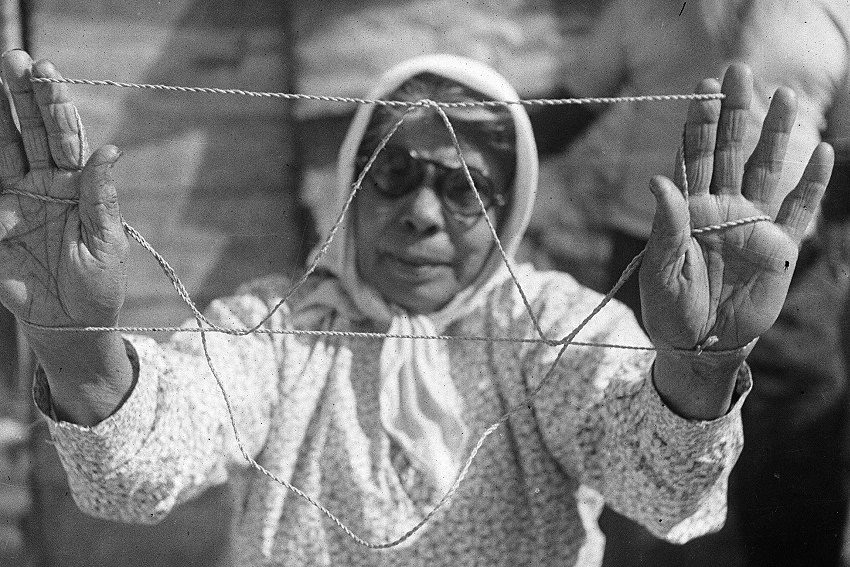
<point>425,283</point>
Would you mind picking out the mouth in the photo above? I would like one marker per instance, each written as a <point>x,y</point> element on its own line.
<point>414,267</point>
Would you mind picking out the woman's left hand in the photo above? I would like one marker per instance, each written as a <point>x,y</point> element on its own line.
<point>730,283</point>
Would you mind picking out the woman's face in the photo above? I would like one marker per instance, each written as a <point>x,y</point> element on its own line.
<point>412,248</point>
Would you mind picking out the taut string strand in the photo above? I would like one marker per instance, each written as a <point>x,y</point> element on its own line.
<point>205,325</point>
<point>379,102</point>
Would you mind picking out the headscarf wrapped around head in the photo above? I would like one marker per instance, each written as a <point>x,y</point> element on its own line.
<point>420,407</point>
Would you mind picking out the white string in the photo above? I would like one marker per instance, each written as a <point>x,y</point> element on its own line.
<point>380,102</point>
<point>205,325</point>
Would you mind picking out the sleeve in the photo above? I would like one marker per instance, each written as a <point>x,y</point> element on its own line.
<point>603,420</point>
<point>173,436</point>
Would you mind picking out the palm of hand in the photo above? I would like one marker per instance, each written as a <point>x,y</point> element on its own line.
<point>728,283</point>
<point>61,263</point>
<point>48,257</point>
<point>745,270</point>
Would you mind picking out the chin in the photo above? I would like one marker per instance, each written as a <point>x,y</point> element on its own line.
<point>421,299</point>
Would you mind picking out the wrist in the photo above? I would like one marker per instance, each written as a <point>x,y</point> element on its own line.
<point>89,373</point>
<point>88,352</point>
<point>699,383</point>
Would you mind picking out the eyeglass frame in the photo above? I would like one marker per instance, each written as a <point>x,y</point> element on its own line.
<point>496,198</point>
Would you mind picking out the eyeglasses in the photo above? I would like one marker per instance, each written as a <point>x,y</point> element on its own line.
<point>398,171</point>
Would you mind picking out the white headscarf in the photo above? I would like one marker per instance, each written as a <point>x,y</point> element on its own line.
<point>419,404</point>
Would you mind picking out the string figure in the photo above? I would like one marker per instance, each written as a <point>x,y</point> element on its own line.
<point>204,325</point>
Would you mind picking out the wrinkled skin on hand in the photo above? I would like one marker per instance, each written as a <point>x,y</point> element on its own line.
<point>728,284</point>
<point>60,264</point>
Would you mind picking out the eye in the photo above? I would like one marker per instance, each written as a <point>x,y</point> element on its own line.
<point>396,160</point>
<point>395,172</point>
<point>459,195</point>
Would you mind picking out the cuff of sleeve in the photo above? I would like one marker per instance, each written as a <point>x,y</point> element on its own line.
<point>117,438</point>
<point>682,431</point>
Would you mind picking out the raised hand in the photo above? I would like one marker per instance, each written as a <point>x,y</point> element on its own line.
<point>62,251</point>
<point>61,264</point>
<point>724,288</point>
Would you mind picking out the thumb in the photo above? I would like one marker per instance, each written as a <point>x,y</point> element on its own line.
<point>671,224</point>
<point>99,214</point>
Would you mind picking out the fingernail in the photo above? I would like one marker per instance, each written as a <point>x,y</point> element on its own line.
<point>110,163</point>
<point>654,186</point>
<point>11,50</point>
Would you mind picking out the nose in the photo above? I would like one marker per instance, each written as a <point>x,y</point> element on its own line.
<point>423,213</point>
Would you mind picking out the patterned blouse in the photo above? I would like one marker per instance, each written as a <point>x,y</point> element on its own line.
<point>306,408</point>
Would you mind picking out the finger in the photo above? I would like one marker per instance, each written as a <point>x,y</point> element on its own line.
<point>16,69</point>
<point>764,168</point>
<point>680,172</point>
<point>13,162</point>
<point>799,206</point>
<point>731,130</point>
<point>98,206</point>
<point>700,134</point>
<point>65,134</point>
<point>670,225</point>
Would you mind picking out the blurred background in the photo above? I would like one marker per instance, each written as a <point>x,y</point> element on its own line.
<point>230,188</point>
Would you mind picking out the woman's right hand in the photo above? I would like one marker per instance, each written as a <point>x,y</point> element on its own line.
<point>61,265</point>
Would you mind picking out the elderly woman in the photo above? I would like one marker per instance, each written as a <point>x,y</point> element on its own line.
<point>377,430</point>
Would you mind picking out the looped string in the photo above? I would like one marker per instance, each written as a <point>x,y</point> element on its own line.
<point>204,325</point>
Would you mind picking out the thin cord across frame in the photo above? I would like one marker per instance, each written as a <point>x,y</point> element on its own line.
<point>380,102</point>
<point>204,325</point>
